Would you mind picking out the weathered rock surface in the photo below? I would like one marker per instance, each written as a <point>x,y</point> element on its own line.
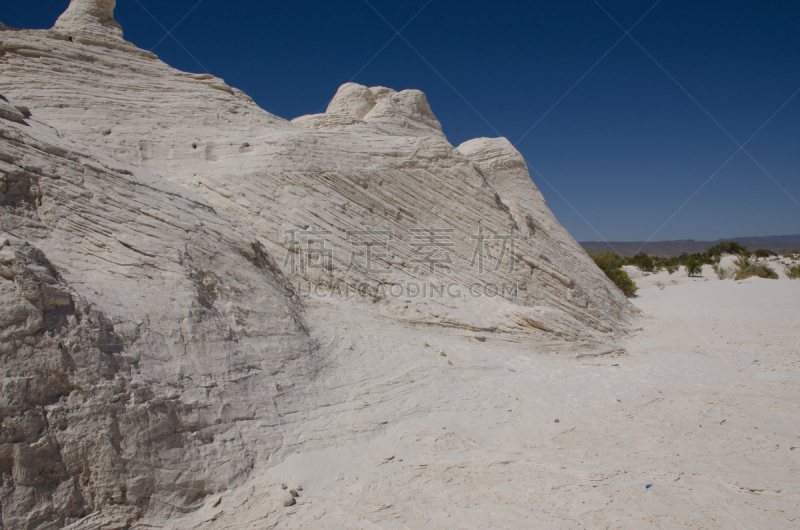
<point>90,15</point>
<point>376,158</point>
<point>135,320</point>
<point>151,219</point>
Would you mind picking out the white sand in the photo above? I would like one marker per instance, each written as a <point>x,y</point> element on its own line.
<point>704,407</point>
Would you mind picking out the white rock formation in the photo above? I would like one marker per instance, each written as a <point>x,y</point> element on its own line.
<point>135,321</point>
<point>89,16</point>
<point>152,355</point>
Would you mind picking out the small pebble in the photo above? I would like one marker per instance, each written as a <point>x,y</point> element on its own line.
<point>287,499</point>
<point>556,420</point>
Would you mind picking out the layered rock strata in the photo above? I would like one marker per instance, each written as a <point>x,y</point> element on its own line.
<point>156,229</point>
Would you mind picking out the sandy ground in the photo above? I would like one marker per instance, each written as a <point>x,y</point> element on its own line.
<point>697,425</point>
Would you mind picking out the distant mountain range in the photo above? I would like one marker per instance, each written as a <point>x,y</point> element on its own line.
<point>778,244</point>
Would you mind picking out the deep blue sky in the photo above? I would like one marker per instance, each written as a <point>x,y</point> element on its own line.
<point>626,148</point>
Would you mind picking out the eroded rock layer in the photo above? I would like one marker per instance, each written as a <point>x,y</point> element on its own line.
<point>154,225</point>
<point>136,321</point>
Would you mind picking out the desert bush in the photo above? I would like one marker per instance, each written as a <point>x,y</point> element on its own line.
<point>611,264</point>
<point>607,260</point>
<point>723,272</point>
<point>661,263</point>
<point>623,281</point>
<point>792,271</point>
<point>742,262</point>
<point>671,269</point>
<point>693,267</point>
<point>763,253</point>
<point>643,261</point>
<point>726,247</point>
<point>760,270</point>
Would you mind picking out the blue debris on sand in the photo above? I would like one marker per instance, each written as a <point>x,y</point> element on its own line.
<point>647,487</point>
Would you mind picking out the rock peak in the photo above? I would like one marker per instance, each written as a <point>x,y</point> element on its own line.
<point>89,15</point>
<point>400,113</point>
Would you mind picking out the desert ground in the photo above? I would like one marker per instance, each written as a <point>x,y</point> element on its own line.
<point>696,424</point>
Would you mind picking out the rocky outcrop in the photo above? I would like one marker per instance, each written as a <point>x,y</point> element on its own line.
<point>63,401</point>
<point>157,230</point>
<point>376,158</point>
<point>403,113</point>
<point>90,15</point>
<point>134,317</point>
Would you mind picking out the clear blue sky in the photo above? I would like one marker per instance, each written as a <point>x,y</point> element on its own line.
<point>622,151</point>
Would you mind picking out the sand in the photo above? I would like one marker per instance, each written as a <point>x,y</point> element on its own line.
<point>697,424</point>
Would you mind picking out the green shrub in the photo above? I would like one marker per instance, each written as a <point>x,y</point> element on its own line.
<point>702,259</point>
<point>763,253</point>
<point>742,262</point>
<point>607,260</point>
<point>611,264</point>
<point>623,281</point>
<point>660,263</point>
<point>792,271</point>
<point>643,261</point>
<point>723,272</point>
<point>760,270</point>
<point>693,267</point>
<point>726,247</point>
<point>671,269</point>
